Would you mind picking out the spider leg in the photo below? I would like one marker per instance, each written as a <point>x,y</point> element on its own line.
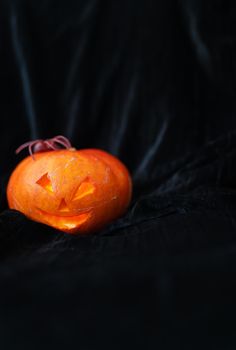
<point>30,148</point>
<point>49,143</point>
<point>64,139</point>
<point>26,144</point>
<point>61,143</point>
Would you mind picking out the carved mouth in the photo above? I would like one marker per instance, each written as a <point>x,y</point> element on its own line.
<point>65,223</point>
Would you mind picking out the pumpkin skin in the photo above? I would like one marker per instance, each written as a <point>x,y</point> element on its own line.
<point>75,191</point>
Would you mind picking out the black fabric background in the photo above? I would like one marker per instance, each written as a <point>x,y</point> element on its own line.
<point>154,83</point>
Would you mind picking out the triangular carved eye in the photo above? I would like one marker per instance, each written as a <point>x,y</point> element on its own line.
<point>45,182</point>
<point>84,189</point>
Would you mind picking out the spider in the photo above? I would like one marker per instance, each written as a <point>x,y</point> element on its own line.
<point>36,146</point>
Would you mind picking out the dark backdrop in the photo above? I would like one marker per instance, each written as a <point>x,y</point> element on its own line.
<point>154,83</point>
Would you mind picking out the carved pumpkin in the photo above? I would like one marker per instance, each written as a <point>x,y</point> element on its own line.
<point>73,191</point>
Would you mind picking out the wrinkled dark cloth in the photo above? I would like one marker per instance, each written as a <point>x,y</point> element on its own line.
<point>154,83</point>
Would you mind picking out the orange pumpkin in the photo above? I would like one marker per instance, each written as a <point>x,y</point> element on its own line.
<point>70,190</point>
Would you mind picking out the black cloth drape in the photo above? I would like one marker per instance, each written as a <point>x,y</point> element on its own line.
<point>154,83</point>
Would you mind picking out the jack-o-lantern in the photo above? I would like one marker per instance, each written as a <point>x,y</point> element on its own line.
<point>75,191</point>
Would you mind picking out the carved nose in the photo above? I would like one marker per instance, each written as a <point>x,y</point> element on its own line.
<point>63,206</point>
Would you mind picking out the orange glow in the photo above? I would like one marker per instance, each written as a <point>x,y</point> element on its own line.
<point>77,192</point>
<point>84,189</point>
<point>63,206</point>
<point>45,182</point>
<point>69,224</point>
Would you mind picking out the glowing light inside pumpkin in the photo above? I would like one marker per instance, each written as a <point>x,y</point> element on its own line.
<point>45,183</point>
<point>76,192</point>
<point>66,222</point>
<point>84,189</point>
<point>63,206</point>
